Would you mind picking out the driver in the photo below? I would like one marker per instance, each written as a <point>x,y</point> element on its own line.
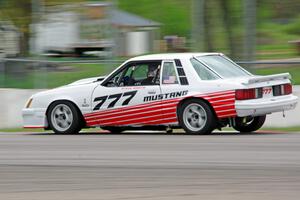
<point>152,71</point>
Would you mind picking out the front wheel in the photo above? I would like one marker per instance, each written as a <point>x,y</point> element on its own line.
<point>63,118</point>
<point>196,117</point>
<point>249,124</point>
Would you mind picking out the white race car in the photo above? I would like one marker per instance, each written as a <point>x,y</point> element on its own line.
<point>198,92</point>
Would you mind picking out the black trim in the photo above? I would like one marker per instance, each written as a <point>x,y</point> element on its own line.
<point>178,63</point>
<point>277,90</point>
<point>180,71</point>
<point>259,92</point>
<point>183,81</point>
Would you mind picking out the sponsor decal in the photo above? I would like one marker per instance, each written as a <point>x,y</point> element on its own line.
<point>85,104</point>
<point>133,88</point>
<point>267,90</point>
<point>165,96</point>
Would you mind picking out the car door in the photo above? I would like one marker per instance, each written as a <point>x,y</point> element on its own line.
<point>128,97</point>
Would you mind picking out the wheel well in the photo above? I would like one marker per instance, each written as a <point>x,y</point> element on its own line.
<point>197,98</point>
<point>63,100</point>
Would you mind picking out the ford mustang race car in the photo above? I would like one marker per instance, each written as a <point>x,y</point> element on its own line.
<point>198,92</point>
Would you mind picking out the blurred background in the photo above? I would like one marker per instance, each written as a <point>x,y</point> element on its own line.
<point>49,43</point>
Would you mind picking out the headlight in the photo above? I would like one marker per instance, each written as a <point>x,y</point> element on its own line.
<point>29,103</point>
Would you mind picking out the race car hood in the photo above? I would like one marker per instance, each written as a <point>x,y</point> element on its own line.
<point>87,80</point>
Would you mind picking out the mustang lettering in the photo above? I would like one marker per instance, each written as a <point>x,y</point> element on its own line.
<point>165,96</point>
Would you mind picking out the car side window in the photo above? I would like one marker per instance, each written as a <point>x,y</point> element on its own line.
<point>114,80</point>
<point>140,72</point>
<point>203,72</point>
<point>169,75</point>
<point>136,74</point>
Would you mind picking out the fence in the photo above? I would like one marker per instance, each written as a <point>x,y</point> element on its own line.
<point>27,73</point>
<point>34,73</point>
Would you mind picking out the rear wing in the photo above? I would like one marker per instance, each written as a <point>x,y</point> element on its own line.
<point>259,79</point>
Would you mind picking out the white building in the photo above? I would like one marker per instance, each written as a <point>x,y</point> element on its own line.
<point>135,35</point>
<point>97,28</point>
<point>9,40</point>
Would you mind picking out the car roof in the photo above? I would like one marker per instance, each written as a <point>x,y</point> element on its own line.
<point>170,56</point>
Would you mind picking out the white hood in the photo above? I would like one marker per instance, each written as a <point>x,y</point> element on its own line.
<point>88,80</point>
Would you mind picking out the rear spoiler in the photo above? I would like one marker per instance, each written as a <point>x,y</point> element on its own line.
<point>260,79</point>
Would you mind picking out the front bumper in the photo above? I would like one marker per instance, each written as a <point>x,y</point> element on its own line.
<point>34,118</point>
<point>265,106</point>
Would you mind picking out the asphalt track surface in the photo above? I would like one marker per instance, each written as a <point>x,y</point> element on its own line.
<point>38,166</point>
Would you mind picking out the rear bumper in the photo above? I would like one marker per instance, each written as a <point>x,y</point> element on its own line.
<point>258,107</point>
<point>34,118</point>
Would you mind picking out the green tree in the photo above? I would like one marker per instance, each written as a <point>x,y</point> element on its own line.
<point>19,13</point>
<point>228,26</point>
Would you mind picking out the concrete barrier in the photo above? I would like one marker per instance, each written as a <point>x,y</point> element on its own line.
<point>13,100</point>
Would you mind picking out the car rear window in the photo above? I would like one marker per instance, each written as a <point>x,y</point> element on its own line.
<point>203,72</point>
<point>223,66</point>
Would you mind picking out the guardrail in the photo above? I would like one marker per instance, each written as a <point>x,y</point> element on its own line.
<point>31,73</point>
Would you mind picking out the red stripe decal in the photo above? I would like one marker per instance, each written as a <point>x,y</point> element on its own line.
<point>135,116</point>
<point>132,107</point>
<point>162,121</point>
<point>159,112</point>
<point>141,120</point>
<point>223,104</point>
<point>131,113</point>
<point>226,107</point>
<point>32,127</point>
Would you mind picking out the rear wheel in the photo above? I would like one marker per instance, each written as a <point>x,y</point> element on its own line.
<point>63,117</point>
<point>249,124</point>
<point>196,117</point>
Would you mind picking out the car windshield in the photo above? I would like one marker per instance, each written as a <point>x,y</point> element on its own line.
<point>222,66</point>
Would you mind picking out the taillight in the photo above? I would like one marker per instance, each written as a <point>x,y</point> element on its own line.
<point>287,89</point>
<point>245,94</point>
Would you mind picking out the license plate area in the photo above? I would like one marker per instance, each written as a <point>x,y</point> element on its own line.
<point>267,92</point>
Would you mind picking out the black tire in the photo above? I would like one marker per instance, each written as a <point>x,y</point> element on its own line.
<point>113,129</point>
<point>249,124</point>
<point>76,123</point>
<point>206,127</point>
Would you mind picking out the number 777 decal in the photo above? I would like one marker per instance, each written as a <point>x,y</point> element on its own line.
<point>116,98</point>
